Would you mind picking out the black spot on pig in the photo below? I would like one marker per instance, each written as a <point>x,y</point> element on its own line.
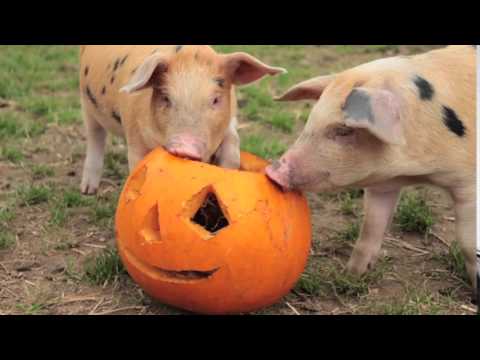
<point>452,122</point>
<point>424,87</point>
<point>112,80</point>
<point>104,90</point>
<point>123,60</point>
<point>358,106</point>
<point>86,70</point>
<point>116,116</point>
<point>115,66</point>
<point>178,48</point>
<point>91,97</point>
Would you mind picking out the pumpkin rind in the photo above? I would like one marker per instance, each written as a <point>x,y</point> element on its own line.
<point>249,264</point>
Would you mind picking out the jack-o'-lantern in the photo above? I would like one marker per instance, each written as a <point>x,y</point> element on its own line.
<point>211,240</point>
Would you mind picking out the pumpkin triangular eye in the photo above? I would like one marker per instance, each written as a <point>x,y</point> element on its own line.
<point>210,215</point>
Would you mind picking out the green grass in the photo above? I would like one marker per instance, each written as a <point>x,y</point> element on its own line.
<point>6,215</point>
<point>15,125</point>
<point>413,214</point>
<point>31,309</point>
<point>40,172</point>
<point>415,303</point>
<point>104,267</point>
<point>350,233</point>
<point>348,204</point>
<point>43,80</point>
<point>12,154</point>
<point>60,206</point>
<point>310,284</point>
<point>283,121</point>
<point>326,279</point>
<point>34,195</point>
<point>6,239</point>
<point>116,165</point>
<point>454,261</point>
<point>265,149</point>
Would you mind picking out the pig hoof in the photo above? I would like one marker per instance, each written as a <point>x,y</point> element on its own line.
<point>357,268</point>
<point>88,188</point>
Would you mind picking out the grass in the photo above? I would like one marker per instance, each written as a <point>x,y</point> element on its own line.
<point>12,154</point>
<point>104,267</point>
<point>116,165</point>
<point>34,195</point>
<point>257,145</point>
<point>348,204</point>
<point>60,207</point>
<point>413,214</point>
<point>6,239</point>
<point>454,261</point>
<point>416,302</point>
<point>350,233</point>
<point>13,125</point>
<point>40,172</point>
<point>329,279</point>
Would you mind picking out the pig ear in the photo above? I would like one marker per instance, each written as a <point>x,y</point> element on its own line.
<point>148,74</point>
<point>307,90</point>
<point>376,110</point>
<point>245,69</point>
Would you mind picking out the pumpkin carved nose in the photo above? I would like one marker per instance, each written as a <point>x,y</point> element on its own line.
<point>210,215</point>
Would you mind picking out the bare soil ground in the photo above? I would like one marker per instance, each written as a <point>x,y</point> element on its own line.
<point>55,244</point>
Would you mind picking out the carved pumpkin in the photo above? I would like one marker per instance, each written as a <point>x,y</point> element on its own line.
<point>211,240</point>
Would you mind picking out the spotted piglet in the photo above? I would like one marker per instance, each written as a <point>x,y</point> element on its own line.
<point>179,97</point>
<point>384,125</point>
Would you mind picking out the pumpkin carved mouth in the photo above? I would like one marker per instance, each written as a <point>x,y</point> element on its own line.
<point>182,276</point>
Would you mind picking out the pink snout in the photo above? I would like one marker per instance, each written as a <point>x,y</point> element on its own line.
<point>279,173</point>
<point>186,146</point>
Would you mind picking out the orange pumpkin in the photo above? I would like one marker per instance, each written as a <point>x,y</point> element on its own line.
<point>211,240</point>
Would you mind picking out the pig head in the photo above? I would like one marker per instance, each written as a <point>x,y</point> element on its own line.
<point>349,138</point>
<point>193,100</point>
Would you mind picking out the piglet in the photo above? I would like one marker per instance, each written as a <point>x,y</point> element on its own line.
<point>385,125</point>
<point>179,97</point>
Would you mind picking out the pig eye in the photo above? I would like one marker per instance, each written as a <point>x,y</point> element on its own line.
<point>166,100</point>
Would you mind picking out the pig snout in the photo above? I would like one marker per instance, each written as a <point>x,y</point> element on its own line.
<point>187,147</point>
<point>280,173</point>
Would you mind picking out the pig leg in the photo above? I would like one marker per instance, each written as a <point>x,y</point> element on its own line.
<point>466,232</point>
<point>93,167</point>
<point>228,154</point>
<point>136,153</point>
<point>379,209</point>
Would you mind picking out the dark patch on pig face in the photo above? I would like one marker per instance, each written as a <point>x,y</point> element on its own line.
<point>178,48</point>
<point>116,116</point>
<point>112,79</point>
<point>452,122</point>
<point>91,97</point>
<point>358,106</point>
<point>425,89</point>
<point>104,90</point>
<point>86,70</point>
